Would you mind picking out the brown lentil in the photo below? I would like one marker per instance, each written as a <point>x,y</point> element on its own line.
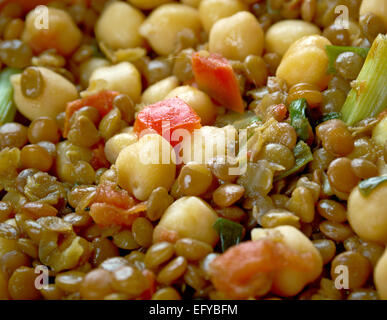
<point>363,168</point>
<point>15,53</point>
<point>158,253</point>
<point>363,294</point>
<point>13,134</point>
<point>96,285</point>
<point>172,271</point>
<point>233,213</point>
<point>142,231</point>
<point>103,249</point>
<point>158,202</point>
<point>69,281</point>
<point>21,285</point>
<point>341,175</point>
<point>332,210</point>
<point>166,293</point>
<point>335,231</point>
<point>34,156</point>
<point>43,129</point>
<point>5,211</point>
<point>348,65</point>
<point>129,280</point>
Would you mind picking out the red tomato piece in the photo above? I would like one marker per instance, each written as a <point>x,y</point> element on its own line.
<point>165,117</point>
<point>215,76</point>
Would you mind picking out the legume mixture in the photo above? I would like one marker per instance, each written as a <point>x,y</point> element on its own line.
<point>81,80</point>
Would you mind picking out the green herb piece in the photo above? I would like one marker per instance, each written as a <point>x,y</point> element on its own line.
<point>298,119</point>
<point>331,115</point>
<point>368,96</point>
<point>302,155</point>
<point>334,51</point>
<point>7,105</point>
<point>366,186</point>
<point>230,233</point>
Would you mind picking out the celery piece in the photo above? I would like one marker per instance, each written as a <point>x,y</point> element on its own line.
<point>230,233</point>
<point>7,105</point>
<point>368,96</point>
<point>298,119</point>
<point>303,156</point>
<point>366,186</point>
<point>334,51</point>
<point>331,115</point>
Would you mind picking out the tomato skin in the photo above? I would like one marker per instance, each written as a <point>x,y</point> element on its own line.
<point>110,194</point>
<point>214,75</point>
<point>102,101</point>
<point>99,159</point>
<point>165,117</point>
<point>106,215</point>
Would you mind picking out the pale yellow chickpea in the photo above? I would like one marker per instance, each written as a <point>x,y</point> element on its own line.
<point>380,276</point>
<point>187,217</point>
<point>377,7</point>
<point>379,132</point>
<point>118,25</point>
<point>117,143</point>
<point>162,26</point>
<point>62,33</point>
<point>212,10</point>
<point>148,4</point>
<point>367,214</point>
<point>122,77</point>
<point>146,165</point>
<point>289,281</point>
<point>87,68</point>
<point>306,60</point>
<point>282,34</point>
<point>55,93</point>
<point>197,100</point>
<point>209,142</point>
<point>159,90</point>
<point>237,37</point>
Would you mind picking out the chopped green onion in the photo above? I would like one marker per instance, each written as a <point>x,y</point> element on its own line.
<point>368,96</point>
<point>230,233</point>
<point>331,115</point>
<point>303,156</point>
<point>366,186</point>
<point>298,119</point>
<point>334,51</point>
<point>7,105</point>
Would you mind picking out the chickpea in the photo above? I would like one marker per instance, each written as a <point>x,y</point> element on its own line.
<point>379,132</point>
<point>62,33</point>
<point>212,142</point>
<point>378,8</point>
<point>56,92</point>
<point>148,4</point>
<point>142,167</point>
<point>159,90</point>
<point>213,10</point>
<point>307,54</point>
<point>197,100</point>
<point>288,281</point>
<point>163,25</point>
<point>87,68</point>
<point>281,35</point>
<point>122,77</point>
<point>380,276</point>
<point>118,25</point>
<point>187,217</point>
<point>117,143</point>
<point>237,36</point>
<point>367,215</point>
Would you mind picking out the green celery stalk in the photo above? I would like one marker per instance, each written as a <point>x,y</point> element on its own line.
<point>303,156</point>
<point>368,96</point>
<point>298,119</point>
<point>7,105</point>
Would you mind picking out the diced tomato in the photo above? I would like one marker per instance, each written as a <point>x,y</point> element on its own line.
<point>99,159</point>
<point>243,269</point>
<point>105,215</point>
<point>165,117</point>
<point>215,76</point>
<point>110,194</point>
<point>151,277</point>
<point>102,101</point>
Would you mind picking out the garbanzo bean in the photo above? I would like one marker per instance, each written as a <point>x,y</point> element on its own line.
<point>122,77</point>
<point>159,90</point>
<point>162,26</point>
<point>113,25</point>
<point>366,214</point>
<point>117,143</point>
<point>281,35</point>
<point>237,36</point>
<point>87,68</point>
<point>212,10</point>
<point>187,217</point>
<point>380,276</point>
<point>57,92</point>
<point>62,33</point>
<point>140,166</point>
<point>375,7</point>
<point>307,54</point>
<point>197,100</point>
